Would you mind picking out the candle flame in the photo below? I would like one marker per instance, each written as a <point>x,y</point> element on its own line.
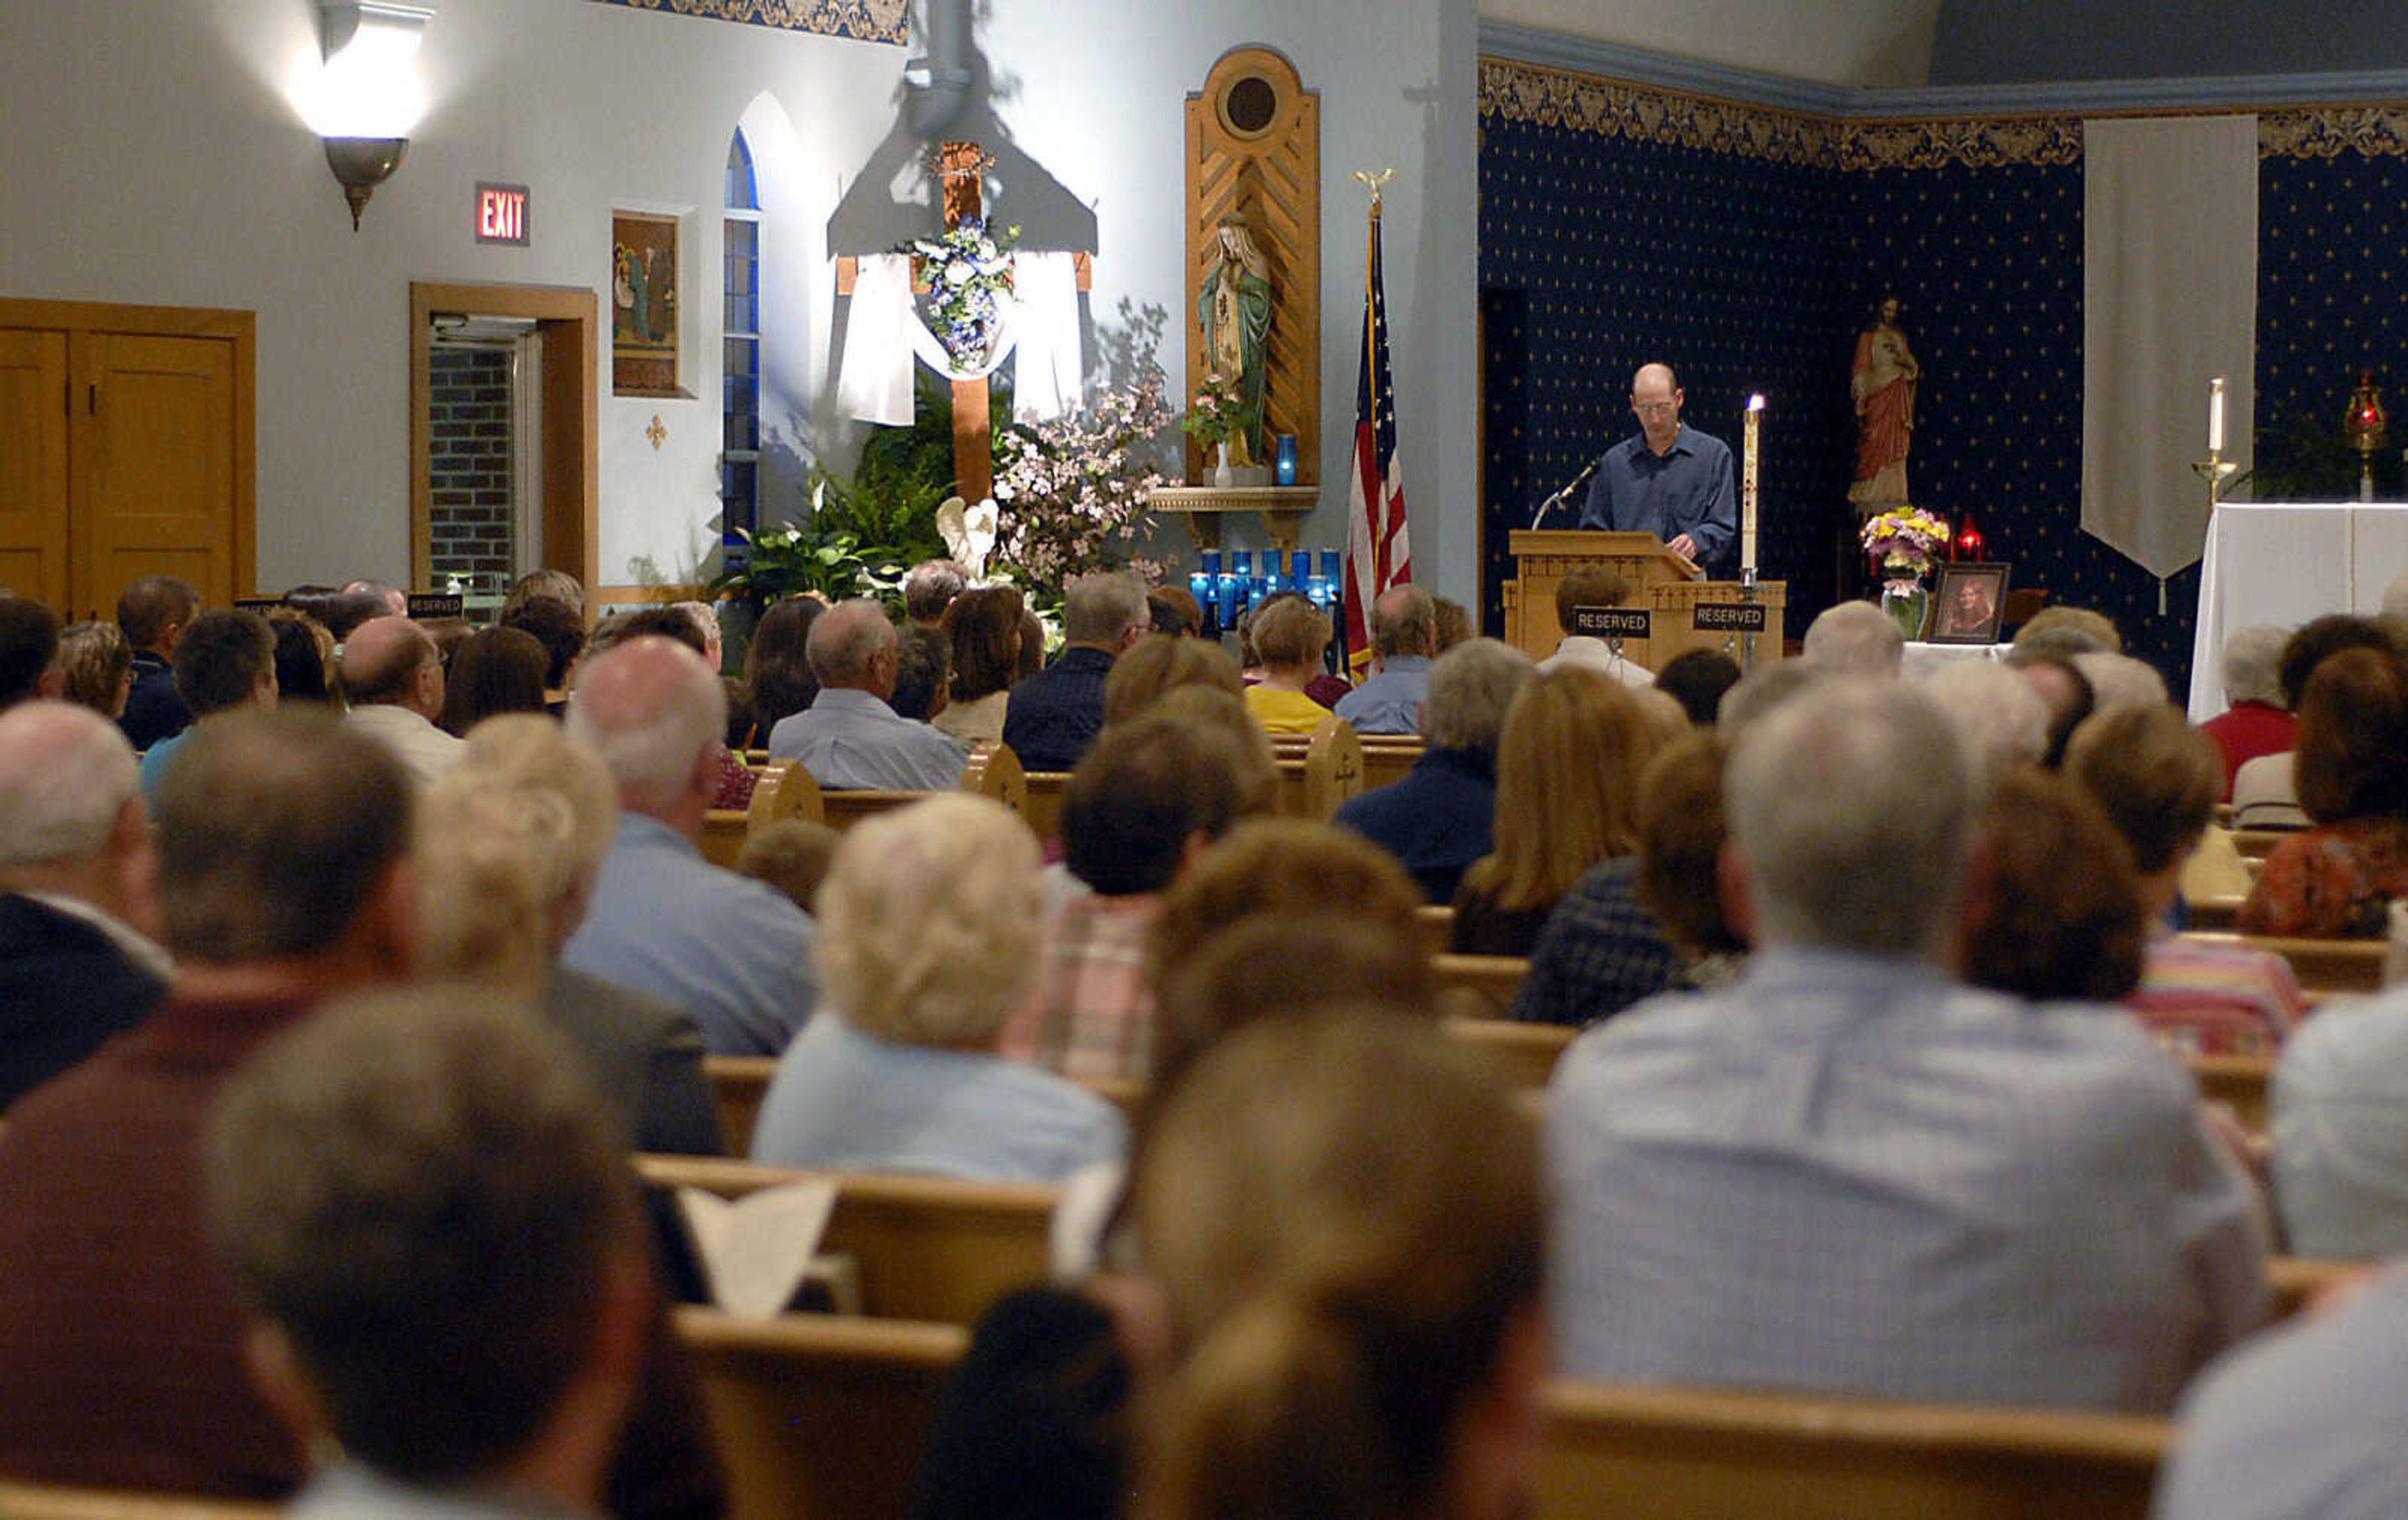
<point>1756,403</point>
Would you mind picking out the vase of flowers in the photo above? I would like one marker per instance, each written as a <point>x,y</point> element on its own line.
<point>968,272</point>
<point>1904,542</point>
<point>1216,415</point>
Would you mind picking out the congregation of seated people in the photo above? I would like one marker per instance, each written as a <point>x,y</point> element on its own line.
<point>345,959</point>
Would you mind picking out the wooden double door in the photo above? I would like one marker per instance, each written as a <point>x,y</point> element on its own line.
<point>126,448</point>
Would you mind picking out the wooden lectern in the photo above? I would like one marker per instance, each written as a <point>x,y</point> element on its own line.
<point>1661,580</point>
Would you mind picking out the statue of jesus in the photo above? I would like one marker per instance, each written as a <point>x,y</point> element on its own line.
<point>1882,385</point>
<point>1235,310</point>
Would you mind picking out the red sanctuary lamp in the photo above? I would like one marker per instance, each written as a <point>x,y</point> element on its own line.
<point>1968,544</point>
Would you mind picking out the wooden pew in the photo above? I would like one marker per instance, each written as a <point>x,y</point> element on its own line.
<point>2213,915</point>
<point>781,791</point>
<point>1525,1054</point>
<point>739,1082</point>
<point>2291,1282</point>
<point>2239,1082</point>
<point>991,771</point>
<point>1476,987</point>
<point>817,1416</point>
<point>1316,774</point>
<point>41,1501</point>
<point>2258,843</point>
<point>2322,966</point>
<point>1387,758</point>
<point>1704,1454</point>
<point>940,1249</point>
<point>1043,807</point>
<point>1436,924</point>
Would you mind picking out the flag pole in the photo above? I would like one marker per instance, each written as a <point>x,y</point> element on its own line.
<point>1367,575</point>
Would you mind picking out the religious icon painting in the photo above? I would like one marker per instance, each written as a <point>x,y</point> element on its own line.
<point>643,305</point>
<point>1969,602</point>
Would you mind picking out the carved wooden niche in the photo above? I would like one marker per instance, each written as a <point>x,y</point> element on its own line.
<point>1253,151</point>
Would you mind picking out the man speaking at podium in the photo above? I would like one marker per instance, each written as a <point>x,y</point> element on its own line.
<point>1671,481</point>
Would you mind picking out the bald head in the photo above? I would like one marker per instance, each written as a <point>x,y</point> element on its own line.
<point>851,647</point>
<point>655,713</point>
<point>1656,397</point>
<point>1855,639</point>
<point>66,774</point>
<point>392,661</point>
<point>1404,622</point>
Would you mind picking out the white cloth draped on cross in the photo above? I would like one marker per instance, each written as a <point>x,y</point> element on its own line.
<point>1038,322</point>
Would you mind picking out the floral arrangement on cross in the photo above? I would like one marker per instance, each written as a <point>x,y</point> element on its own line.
<point>1907,541</point>
<point>969,271</point>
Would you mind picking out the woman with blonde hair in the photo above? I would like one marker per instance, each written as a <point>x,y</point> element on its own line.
<point>1568,768</point>
<point>1289,633</point>
<point>1159,663</point>
<point>1342,1349</point>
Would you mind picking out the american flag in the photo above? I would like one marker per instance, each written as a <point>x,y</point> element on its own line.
<point>1377,553</point>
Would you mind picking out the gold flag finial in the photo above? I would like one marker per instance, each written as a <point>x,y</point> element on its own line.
<point>1375,180</point>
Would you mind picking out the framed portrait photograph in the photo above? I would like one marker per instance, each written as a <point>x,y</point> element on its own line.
<point>1968,602</point>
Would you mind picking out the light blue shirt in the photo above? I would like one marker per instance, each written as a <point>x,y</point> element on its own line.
<point>155,761</point>
<point>2339,1122</point>
<point>850,740</point>
<point>352,1490</point>
<point>846,1100</point>
<point>2303,1424</point>
<point>730,951</point>
<point>1391,701</point>
<point>1847,1174</point>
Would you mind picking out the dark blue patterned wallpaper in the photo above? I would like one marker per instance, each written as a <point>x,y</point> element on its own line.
<point>2332,294</point>
<point>1746,245</point>
<point>1724,266</point>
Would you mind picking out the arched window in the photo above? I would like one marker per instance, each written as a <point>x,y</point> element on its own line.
<point>739,459</point>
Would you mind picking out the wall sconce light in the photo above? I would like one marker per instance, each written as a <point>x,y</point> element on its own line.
<point>367,96</point>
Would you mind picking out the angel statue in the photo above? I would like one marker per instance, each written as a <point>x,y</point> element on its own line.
<point>1882,383</point>
<point>1235,309</point>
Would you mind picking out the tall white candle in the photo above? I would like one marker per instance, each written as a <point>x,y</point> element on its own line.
<point>2215,415</point>
<point>1747,484</point>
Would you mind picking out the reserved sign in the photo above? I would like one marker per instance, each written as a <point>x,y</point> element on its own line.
<point>1728,617</point>
<point>1611,621</point>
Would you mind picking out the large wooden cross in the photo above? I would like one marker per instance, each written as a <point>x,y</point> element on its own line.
<point>960,166</point>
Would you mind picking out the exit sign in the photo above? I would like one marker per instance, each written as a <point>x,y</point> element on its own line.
<point>502,214</point>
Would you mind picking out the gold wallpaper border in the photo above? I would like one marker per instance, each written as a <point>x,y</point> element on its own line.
<point>1546,95</point>
<point>864,20</point>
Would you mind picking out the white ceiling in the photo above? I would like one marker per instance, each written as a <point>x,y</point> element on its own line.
<point>1847,43</point>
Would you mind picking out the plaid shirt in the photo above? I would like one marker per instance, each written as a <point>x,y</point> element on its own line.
<point>1090,1016</point>
<point>1601,951</point>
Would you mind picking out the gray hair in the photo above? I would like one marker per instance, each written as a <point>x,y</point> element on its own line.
<point>1471,687</point>
<point>929,921</point>
<point>1855,639</point>
<point>2119,678</point>
<point>1098,608</point>
<point>1998,716</point>
<point>2068,631</point>
<point>2252,661</point>
<point>649,707</point>
<point>1850,806</point>
<point>844,640</point>
<point>1759,693</point>
<point>65,774</point>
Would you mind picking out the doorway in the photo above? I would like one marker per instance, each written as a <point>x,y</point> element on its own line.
<point>537,346</point>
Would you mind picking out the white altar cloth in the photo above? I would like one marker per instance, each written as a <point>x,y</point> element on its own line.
<point>2285,562</point>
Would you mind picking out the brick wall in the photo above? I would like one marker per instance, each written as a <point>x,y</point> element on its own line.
<point>470,443</point>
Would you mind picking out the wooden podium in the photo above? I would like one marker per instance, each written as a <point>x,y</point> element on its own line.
<point>1662,582</point>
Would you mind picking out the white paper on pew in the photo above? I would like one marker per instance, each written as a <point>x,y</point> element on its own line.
<point>756,1250</point>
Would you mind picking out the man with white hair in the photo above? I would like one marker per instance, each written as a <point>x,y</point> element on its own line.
<point>663,919</point>
<point>392,678</point>
<point>1854,638</point>
<point>850,737</point>
<point>1054,715</point>
<point>1443,816</point>
<point>2000,719</point>
<point>78,962</point>
<point>2258,721</point>
<point>1844,1172</point>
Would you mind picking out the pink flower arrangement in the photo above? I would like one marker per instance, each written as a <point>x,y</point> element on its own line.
<point>1907,540</point>
<point>1073,491</point>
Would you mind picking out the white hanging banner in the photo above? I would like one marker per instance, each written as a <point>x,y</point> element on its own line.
<point>2170,302</point>
<point>1051,376</point>
<point>875,383</point>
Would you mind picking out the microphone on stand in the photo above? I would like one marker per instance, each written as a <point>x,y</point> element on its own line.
<point>1568,488</point>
